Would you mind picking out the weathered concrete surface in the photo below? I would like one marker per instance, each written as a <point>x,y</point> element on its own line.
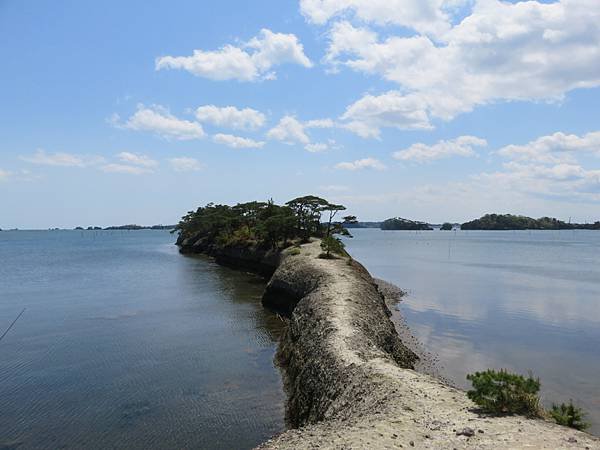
<point>349,379</point>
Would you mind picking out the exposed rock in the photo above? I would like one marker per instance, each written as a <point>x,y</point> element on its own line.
<point>466,432</point>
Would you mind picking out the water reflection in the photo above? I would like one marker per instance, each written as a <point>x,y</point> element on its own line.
<point>127,344</point>
<point>523,301</point>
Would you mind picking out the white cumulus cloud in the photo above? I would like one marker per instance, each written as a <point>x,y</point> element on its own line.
<point>231,117</point>
<point>158,120</point>
<point>360,164</point>
<point>426,16</point>
<point>185,164</point>
<point>556,148</point>
<point>368,115</point>
<point>502,51</point>
<point>289,130</point>
<point>236,141</point>
<point>462,146</point>
<point>252,61</point>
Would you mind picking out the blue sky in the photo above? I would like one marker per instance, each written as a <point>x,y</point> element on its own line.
<point>135,112</point>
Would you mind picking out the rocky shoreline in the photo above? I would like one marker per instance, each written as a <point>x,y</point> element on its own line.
<point>350,379</point>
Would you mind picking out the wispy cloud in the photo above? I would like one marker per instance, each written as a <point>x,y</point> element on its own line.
<point>237,141</point>
<point>41,157</point>
<point>125,169</point>
<point>136,159</point>
<point>316,147</point>
<point>185,164</point>
<point>360,164</point>
<point>462,146</point>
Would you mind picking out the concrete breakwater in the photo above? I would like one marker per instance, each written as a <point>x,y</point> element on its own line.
<point>350,380</point>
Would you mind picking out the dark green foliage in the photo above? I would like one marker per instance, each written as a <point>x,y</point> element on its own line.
<point>398,223</point>
<point>308,210</point>
<point>331,244</point>
<point>262,224</point>
<point>569,415</point>
<point>504,392</point>
<point>447,226</point>
<point>511,222</point>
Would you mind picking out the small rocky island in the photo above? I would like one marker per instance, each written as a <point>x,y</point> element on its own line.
<point>349,378</point>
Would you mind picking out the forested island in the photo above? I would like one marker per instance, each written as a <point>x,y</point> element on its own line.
<point>263,226</point>
<point>513,222</point>
<point>398,223</point>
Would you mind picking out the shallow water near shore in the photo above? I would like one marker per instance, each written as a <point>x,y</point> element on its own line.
<point>483,299</point>
<point>127,344</point>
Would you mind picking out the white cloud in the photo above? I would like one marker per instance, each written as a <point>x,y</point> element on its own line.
<point>426,16</point>
<point>548,167</point>
<point>159,120</point>
<point>41,157</point>
<point>319,123</point>
<point>4,175</point>
<point>290,131</point>
<point>556,148</point>
<point>252,61</point>
<point>185,164</point>
<point>502,51</point>
<point>392,109</point>
<point>138,160</point>
<point>236,141</point>
<point>125,169</point>
<point>569,182</point>
<point>231,117</point>
<point>365,163</point>
<point>316,147</point>
<point>462,146</point>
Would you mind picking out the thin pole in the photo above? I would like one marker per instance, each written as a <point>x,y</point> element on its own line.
<point>12,324</point>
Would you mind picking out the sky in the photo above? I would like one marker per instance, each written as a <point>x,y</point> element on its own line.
<point>119,112</point>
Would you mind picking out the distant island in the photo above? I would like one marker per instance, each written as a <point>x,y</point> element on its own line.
<point>129,227</point>
<point>398,223</point>
<point>512,222</point>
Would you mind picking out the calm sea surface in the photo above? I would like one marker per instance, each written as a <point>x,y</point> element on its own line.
<point>484,299</point>
<point>127,344</point>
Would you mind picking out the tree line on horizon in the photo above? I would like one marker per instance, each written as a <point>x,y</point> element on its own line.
<point>486,222</point>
